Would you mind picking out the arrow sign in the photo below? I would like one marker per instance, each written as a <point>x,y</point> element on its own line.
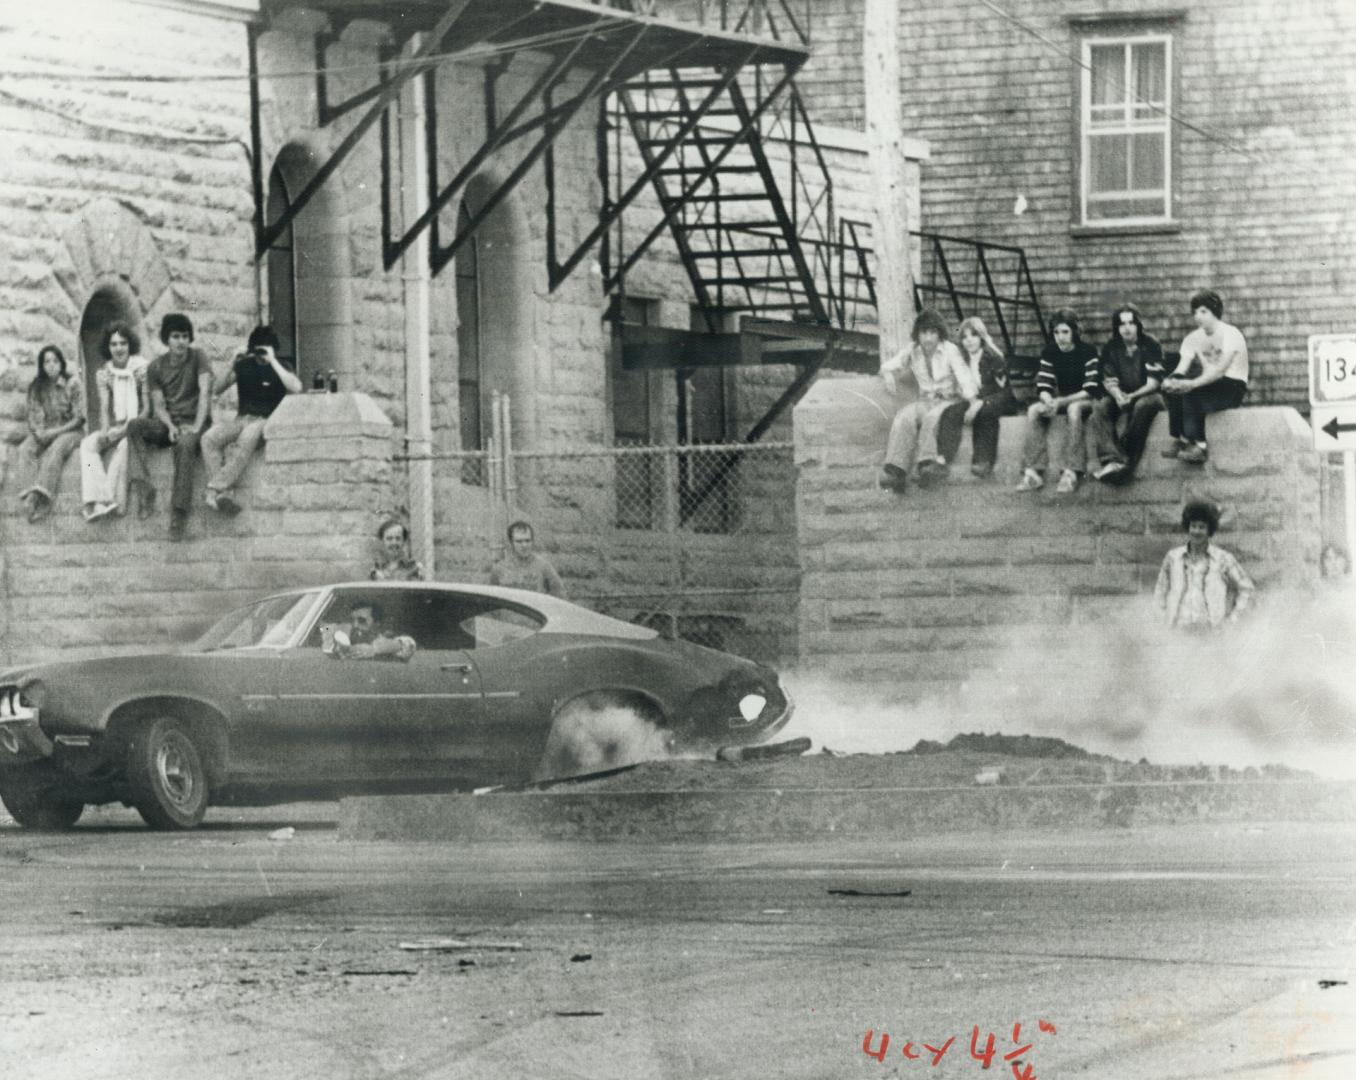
<point>1332,427</point>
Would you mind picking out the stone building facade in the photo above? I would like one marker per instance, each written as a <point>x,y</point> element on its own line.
<point>133,198</point>
<point>1258,167</point>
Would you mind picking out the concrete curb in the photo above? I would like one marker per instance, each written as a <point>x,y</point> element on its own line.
<point>786,814</point>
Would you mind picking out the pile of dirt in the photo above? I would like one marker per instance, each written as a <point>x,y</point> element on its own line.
<point>966,761</point>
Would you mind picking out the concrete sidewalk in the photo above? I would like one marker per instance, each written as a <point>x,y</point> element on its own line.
<point>792,813</point>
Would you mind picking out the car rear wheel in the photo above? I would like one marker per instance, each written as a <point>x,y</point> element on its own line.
<point>600,731</point>
<point>167,775</point>
<point>32,794</point>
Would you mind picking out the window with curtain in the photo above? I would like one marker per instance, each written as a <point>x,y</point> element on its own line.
<point>1126,131</point>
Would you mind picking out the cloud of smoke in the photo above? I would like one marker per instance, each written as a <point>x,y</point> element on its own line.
<point>593,736</point>
<point>1279,687</point>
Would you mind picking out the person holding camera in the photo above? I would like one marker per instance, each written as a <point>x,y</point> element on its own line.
<point>261,381</point>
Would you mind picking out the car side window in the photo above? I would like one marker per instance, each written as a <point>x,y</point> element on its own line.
<point>500,625</point>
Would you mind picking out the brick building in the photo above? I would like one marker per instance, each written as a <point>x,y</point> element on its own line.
<point>1202,144</point>
<point>252,161</point>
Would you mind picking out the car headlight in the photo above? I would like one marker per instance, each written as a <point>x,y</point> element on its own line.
<point>751,706</point>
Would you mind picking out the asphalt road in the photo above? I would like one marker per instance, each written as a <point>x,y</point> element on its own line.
<point>1165,953</point>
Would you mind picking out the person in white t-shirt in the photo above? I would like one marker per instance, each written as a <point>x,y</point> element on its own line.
<point>1211,376</point>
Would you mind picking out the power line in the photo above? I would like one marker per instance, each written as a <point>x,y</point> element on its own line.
<point>476,52</point>
<point>1176,118</point>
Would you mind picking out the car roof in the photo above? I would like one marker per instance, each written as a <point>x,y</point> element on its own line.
<point>562,616</point>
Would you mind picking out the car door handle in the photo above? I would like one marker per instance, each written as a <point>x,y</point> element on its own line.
<point>462,669</point>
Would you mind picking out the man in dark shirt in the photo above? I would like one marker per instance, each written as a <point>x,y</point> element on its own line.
<point>261,381</point>
<point>1132,372</point>
<point>180,385</point>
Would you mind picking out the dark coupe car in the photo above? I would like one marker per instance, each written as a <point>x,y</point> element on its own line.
<point>503,686</point>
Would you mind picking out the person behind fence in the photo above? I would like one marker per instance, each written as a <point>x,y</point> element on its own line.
<point>943,378</point>
<point>121,385</point>
<point>180,385</point>
<point>261,381</point>
<point>523,568</point>
<point>395,562</point>
<point>55,412</point>
<point>1068,380</point>
<point>1132,372</point>
<point>989,370</point>
<point>1200,585</point>
<point>1211,376</point>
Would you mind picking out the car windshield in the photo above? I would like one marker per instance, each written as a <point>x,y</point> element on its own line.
<point>268,624</point>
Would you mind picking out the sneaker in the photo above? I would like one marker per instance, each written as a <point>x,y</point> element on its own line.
<point>145,502</point>
<point>178,524</point>
<point>1175,448</point>
<point>1109,471</point>
<point>1068,482</point>
<point>1195,454</point>
<point>931,473</point>
<point>227,505</point>
<point>981,471</point>
<point>211,499</point>
<point>1031,481</point>
<point>893,478</point>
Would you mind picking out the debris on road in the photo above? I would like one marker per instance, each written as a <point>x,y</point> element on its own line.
<point>579,958</point>
<point>579,1012</point>
<point>863,892</point>
<point>790,748</point>
<point>1328,984</point>
<point>776,911</point>
<point>392,971</point>
<point>283,834</point>
<point>455,944</point>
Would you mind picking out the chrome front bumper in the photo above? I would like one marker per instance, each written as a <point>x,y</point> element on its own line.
<point>21,739</point>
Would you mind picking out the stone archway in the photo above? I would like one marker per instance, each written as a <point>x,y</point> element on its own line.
<point>112,271</point>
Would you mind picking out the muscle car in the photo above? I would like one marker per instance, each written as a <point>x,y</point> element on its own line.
<point>500,686</point>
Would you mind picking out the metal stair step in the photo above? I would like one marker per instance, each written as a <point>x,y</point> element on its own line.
<point>752,280</point>
<point>741,253</point>
<point>721,170</point>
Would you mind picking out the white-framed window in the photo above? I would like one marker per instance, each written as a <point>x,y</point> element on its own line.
<point>1125,129</point>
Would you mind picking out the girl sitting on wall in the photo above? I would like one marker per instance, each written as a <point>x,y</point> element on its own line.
<point>989,369</point>
<point>943,378</point>
<point>121,383</point>
<point>56,413</point>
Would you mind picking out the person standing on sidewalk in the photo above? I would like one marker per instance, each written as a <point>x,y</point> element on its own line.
<point>523,568</point>
<point>1200,586</point>
<point>1212,376</point>
<point>180,385</point>
<point>1132,372</point>
<point>261,381</point>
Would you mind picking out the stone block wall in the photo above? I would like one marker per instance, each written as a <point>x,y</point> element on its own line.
<point>918,592</point>
<point>312,502</point>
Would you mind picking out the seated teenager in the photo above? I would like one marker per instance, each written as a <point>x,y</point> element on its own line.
<point>1067,381</point>
<point>180,385</point>
<point>55,411</point>
<point>1211,376</point>
<point>261,381</point>
<point>1132,372</point>
<point>121,383</point>
<point>943,377</point>
<point>989,371</point>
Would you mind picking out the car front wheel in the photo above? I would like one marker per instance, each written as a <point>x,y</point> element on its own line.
<point>167,775</point>
<point>32,794</point>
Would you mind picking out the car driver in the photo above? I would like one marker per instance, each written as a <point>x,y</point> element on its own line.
<point>366,637</point>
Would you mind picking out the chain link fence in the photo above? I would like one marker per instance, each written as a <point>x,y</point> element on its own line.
<point>692,541</point>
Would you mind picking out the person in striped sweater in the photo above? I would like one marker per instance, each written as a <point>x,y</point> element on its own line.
<point>1068,381</point>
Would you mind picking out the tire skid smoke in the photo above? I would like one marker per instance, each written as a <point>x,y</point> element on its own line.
<point>1278,687</point>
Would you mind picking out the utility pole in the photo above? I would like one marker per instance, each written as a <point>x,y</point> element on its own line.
<point>889,175</point>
